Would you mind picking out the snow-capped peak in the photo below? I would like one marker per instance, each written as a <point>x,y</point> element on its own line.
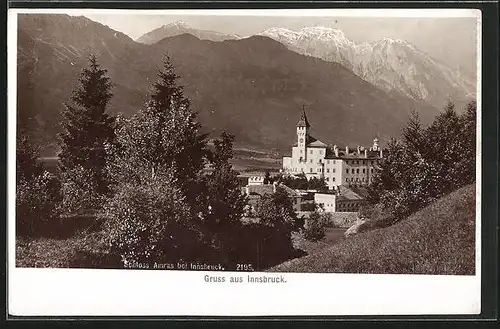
<point>391,64</point>
<point>177,24</point>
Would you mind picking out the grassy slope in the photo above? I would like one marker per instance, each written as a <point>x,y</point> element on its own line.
<point>439,239</point>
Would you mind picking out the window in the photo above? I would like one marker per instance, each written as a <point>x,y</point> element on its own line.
<point>300,151</point>
<point>352,171</point>
<point>327,169</point>
<point>372,161</point>
<point>333,179</point>
<point>311,161</point>
<point>333,170</point>
<point>357,171</point>
<point>363,161</point>
<point>372,170</point>
<point>347,171</point>
<point>319,169</point>
<point>310,169</point>
<point>333,161</point>
<point>328,179</point>
<point>327,161</point>
<point>364,171</point>
<point>357,162</point>
<point>311,152</point>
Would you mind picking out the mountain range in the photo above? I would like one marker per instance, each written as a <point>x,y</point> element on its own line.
<point>391,64</point>
<point>180,27</point>
<point>253,87</point>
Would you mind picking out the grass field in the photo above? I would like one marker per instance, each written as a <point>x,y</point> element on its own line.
<point>439,239</point>
<point>332,236</point>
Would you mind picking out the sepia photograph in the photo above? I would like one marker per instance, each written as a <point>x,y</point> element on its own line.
<point>254,144</point>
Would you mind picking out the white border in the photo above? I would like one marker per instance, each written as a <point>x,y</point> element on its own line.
<point>77,292</point>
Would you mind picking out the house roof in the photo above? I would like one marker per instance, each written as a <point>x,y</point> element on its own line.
<point>291,192</point>
<point>347,194</point>
<point>261,189</point>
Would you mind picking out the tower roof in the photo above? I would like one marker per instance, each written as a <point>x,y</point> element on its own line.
<point>303,120</point>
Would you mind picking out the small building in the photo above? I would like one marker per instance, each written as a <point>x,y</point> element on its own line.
<point>326,201</point>
<point>349,200</point>
<point>295,196</point>
<point>256,180</point>
<point>344,199</point>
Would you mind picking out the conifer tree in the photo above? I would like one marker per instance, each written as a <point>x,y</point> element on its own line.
<point>446,149</point>
<point>27,149</point>
<point>413,133</point>
<point>225,198</point>
<point>164,134</point>
<point>467,164</point>
<point>88,129</point>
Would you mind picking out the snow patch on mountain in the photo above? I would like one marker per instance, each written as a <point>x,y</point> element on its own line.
<point>390,64</point>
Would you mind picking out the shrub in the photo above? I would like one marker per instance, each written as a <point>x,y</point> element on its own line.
<point>79,191</point>
<point>150,222</point>
<point>314,228</point>
<point>37,203</point>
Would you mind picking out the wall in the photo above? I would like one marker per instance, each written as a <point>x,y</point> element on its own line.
<point>327,200</point>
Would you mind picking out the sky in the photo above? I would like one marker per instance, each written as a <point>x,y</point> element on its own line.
<point>449,39</point>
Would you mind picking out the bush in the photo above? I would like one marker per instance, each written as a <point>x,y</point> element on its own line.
<point>150,222</point>
<point>314,229</point>
<point>79,191</point>
<point>37,203</point>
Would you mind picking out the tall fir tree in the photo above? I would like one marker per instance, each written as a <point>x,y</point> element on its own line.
<point>467,164</point>
<point>27,148</point>
<point>413,134</point>
<point>165,134</point>
<point>88,129</point>
<point>447,148</point>
<point>225,198</point>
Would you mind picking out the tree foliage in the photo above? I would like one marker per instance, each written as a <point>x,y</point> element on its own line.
<point>426,163</point>
<point>88,129</point>
<point>301,182</point>
<point>146,223</point>
<point>315,227</point>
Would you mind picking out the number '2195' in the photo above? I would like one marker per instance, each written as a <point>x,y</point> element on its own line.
<point>244,267</point>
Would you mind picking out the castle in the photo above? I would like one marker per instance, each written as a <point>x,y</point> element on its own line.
<point>347,167</point>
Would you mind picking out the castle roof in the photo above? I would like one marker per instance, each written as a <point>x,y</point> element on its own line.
<point>353,154</point>
<point>303,122</point>
<point>317,143</point>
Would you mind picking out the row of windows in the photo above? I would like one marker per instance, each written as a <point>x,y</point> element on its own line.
<point>328,179</point>
<point>357,171</point>
<point>348,205</point>
<point>357,162</point>
<point>357,180</point>
<point>320,152</point>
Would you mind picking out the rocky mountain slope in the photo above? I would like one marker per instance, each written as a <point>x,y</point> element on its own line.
<point>393,65</point>
<point>180,27</point>
<point>253,87</point>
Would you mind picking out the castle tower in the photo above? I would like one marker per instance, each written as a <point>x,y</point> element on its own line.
<point>375,144</point>
<point>302,132</point>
